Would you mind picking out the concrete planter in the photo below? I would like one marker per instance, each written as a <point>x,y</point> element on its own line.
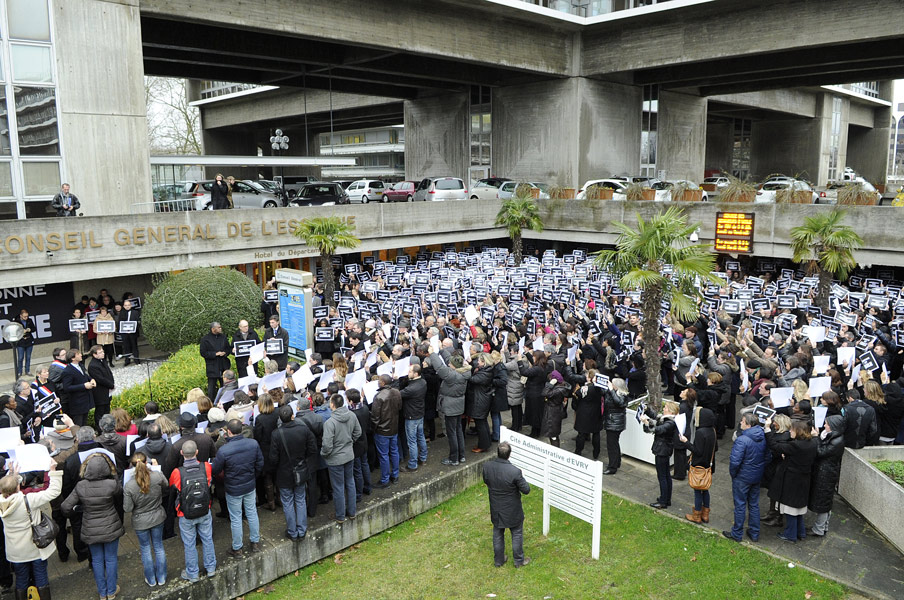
<point>649,194</point>
<point>872,493</point>
<point>692,196</point>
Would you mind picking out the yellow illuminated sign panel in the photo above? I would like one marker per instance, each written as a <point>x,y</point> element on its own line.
<point>734,232</point>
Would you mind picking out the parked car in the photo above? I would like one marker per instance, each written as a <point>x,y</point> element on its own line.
<point>664,189</point>
<point>830,194</point>
<point>616,185</point>
<point>321,193</point>
<point>487,189</point>
<point>402,191</point>
<point>245,194</point>
<point>507,189</point>
<point>293,183</point>
<point>441,188</point>
<point>766,194</point>
<point>365,190</point>
<point>344,182</point>
<point>720,182</point>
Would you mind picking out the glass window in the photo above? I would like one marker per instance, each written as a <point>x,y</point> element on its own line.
<point>31,63</point>
<point>28,20</point>
<point>41,178</point>
<point>5,149</point>
<point>39,209</point>
<point>8,211</point>
<point>36,119</point>
<point>6,179</point>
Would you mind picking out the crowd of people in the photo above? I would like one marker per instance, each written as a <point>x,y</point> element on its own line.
<point>443,347</point>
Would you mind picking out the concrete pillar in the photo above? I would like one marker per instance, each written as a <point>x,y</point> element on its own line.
<point>719,146</point>
<point>868,147</point>
<point>681,150</point>
<point>102,112</point>
<point>566,131</point>
<point>436,137</point>
<point>791,147</point>
<point>229,142</point>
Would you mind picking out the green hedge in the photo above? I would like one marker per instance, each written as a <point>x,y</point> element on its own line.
<point>183,371</point>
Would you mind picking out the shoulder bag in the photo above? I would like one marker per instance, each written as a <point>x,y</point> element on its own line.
<point>300,469</point>
<point>45,532</point>
<point>701,478</point>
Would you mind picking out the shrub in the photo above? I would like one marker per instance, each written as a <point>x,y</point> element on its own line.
<point>180,309</point>
<point>737,191</point>
<point>170,383</point>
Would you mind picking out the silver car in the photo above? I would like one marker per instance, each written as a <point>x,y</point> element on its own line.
<point>245,194</point>
<point>507,189</point>
<point>441,188</point>
<point>365,190</point>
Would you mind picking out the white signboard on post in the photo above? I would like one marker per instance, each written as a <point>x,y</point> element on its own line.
<point>570,483</point>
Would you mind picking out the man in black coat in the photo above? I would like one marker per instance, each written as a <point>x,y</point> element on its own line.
<point>413,395</point>
<point>129,340</point>
<point>244,333</point>
<point>99,370</point>
<point>506,484</point>
<point>277,332</point>
<point>78,384</point>
<point>361,466</point>
<point>314,424</point>
<point>215,350</point>
<point>860,425</point>
<point>292,446</point>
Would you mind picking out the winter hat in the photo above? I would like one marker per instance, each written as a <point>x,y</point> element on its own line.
<point>216,415</point>
<point>557,376</point>
<point>188,421</point>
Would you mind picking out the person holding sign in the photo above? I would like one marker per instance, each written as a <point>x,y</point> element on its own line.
<point>129,314</point>
<point>826,472</point>
<point>245,336</point>
<point>663,430</point>
<point>26,344</point>
<point>588,415</point>
<point>105,328</point>
<point>275,332</point>
<point>29,561</point>
<point>505,484</point>
<point>78,385</point>
<point>215,350</point>
<point>614,421</point>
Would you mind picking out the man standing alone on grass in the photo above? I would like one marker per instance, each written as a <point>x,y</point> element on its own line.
<point>506,484</point>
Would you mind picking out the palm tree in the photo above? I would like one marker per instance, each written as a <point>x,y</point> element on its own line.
<point>638,260</point>
<point>327,234</point>
<point>519,212</point>
<point>829,248</point>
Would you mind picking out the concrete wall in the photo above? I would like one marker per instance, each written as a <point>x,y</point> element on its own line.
<point>436,137</point>
<point>873,494</point>
<point>682,136</point>
<point>867,151</point>
<point>103,118</point>
<point>786,146</point>
<point>719,146</point>
<point>610,129</point>
<point>799,102</point>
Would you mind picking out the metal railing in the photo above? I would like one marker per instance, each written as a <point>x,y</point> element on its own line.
<point>162,206</point>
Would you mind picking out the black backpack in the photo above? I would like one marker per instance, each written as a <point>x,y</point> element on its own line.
<point>194,497</point>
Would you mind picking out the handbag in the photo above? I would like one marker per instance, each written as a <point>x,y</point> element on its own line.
<point>45,532</point>
<point>700,478</point>
<point>300,470</point>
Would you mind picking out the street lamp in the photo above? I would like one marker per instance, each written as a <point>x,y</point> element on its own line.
<point>280,142</point>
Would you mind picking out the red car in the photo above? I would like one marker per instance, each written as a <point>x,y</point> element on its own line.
<point>402,191</point>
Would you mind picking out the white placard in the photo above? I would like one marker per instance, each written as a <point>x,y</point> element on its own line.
<point>521,346</point>
<point>370,391</point>
<point>572,354</point>
<point>85,454</point>
<point>356,380</point>
<point>846,355</point>
<point>256,354</point>
<point>816,334</point>
<point>821,364</point>
<point>401,367</point>
<point>538,344</point>
<point>385,369</point>
<point>466,349</point>
<point>471,314</point>
<point>692,368</point>
<point>32,457</point>
<point>434,343</point>
<point>570,483</point>
<point>302,377</point>
<point>326,379</point>
<point>681,422</point>
<point>10,437</point>
<point>129,474</point>
<point>272,381</point>
<point>819,415</point>
<point>781,397</point>
<point>189,407</point>
<point>818,385</point>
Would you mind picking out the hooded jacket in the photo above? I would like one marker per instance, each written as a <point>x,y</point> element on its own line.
<point>97,493</point>
<point>147,509</point>
<point>453,387</point>
<point>339,435</point>
<point>749,456</point>
<point>17,527</point>
<point>514,389</point>
<point>704,446</point>
<point>160,450</point>
<point>827,467</point>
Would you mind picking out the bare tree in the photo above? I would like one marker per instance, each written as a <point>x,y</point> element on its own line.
<point>174,126</point>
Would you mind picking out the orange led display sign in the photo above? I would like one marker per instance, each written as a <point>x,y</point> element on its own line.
<point>734,232</point>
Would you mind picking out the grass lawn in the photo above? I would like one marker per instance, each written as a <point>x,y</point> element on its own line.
<point>448,553</point>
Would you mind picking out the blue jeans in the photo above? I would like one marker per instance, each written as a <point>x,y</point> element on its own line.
<point>701,499</point>
<point>794,528</point>
<point>746,500</point>
<point>665,479</point>
<point>497,425</point>
<point>417,443</point>
<point>25,570</point>
<point>342,478</point>
<point>361,471</point>
<point>23,358</point>
<point>146,538</point>
<point>105,564</point>
<point>188,530</point>
<point>235,504</point>
<point>295,507</point>
<point>388,452</point>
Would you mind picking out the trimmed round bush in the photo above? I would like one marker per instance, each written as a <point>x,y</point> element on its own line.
<point>181,308</point>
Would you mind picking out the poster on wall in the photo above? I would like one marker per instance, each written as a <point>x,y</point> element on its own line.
<point>292,317</point>
<point>50,306</point>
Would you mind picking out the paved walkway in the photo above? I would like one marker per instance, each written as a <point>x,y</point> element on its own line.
<point>853,552</point>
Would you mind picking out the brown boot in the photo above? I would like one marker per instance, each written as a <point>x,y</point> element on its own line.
<point>695,518</point>
<point>704,514</point>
